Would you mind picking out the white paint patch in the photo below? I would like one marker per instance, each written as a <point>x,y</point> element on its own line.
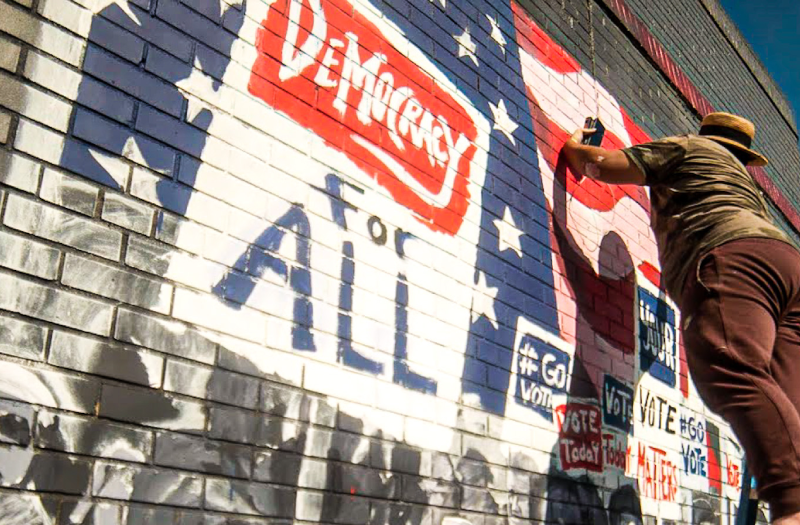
<point>21,384</point>
<point>17,509</point>
<point>99,5</point>
<point>592,170</point>
<point>455,520</point>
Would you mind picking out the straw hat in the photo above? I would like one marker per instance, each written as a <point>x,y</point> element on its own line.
<point>734,131</point>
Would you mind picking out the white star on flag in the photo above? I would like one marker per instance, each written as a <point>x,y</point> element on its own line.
<point>107,162</point>
<point>99,5</point>
<point>508,233</point>
<point>441,2</point>
<point>503,122</point>
<point>497,34</point>
<point>483,297</point>
<point>466,47</point>
<point>131,151</point>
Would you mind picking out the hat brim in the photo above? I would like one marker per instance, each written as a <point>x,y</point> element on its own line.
<point>756,159</point>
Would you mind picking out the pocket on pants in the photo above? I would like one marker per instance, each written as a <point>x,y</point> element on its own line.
<point>698,287</point>
<point>706,271</point>
<point>702,323</point>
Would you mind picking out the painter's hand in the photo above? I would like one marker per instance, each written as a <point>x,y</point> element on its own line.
<point>582,133</point>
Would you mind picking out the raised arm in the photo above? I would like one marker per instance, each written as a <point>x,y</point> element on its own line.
<point>610,166</point>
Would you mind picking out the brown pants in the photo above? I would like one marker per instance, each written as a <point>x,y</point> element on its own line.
<point>741,328</point>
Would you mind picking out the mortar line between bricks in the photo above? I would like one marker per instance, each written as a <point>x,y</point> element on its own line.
<point>3,200</point>
<point>34,427</point>
<point>22,60</point>
<point>12,132</point>
<point>136,104</point>
<point>164,363</point>
<point>39,180</point>
<point>172,310</point>
<point>113,328</point>
<point>69,134</point>
<point>98,209</point>
<point>48,345</point>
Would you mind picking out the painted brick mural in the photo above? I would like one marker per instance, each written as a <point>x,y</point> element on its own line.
<point>274,261</point>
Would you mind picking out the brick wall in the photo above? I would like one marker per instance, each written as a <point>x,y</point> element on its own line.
<point>706,54</point>
<point>739,43</point>
<point>309,261</point>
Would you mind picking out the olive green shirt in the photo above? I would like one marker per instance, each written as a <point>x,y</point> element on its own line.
<point>701,196</point>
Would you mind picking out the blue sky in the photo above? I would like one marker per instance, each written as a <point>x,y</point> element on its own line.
<point>773,29</point>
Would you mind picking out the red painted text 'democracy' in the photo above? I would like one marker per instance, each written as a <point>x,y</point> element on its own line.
<point>333,70</point>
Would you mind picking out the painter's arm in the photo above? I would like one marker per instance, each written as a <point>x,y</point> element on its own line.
<point>611,166</point>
